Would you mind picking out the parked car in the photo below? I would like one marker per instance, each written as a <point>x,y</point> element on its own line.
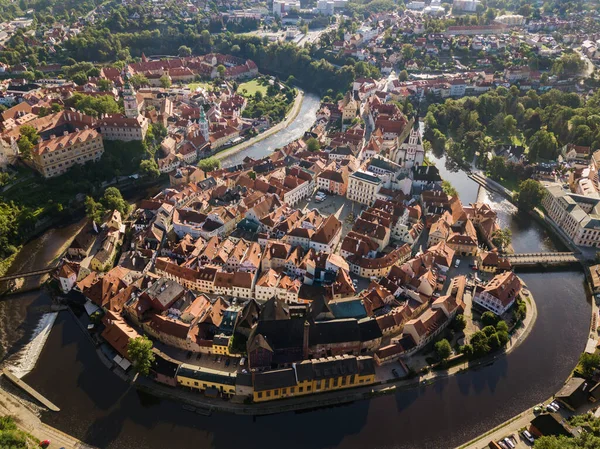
<point>227,362</point>
<point>555,405</point>
<point>395,373</point>
<point>528,436</point>
<point>457,263</point>
<point>550,408</point>
<point>509,442</point>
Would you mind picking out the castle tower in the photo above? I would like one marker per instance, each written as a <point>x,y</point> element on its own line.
<point>132,108</point>
<point>203,122</point>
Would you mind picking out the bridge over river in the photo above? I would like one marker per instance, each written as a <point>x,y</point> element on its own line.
<point>544,258</point>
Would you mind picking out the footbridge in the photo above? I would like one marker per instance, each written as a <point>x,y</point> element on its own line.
<point>27,274</point>
<point>546,259</point>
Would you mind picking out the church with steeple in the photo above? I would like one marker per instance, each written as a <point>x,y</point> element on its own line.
<point>410,153</point>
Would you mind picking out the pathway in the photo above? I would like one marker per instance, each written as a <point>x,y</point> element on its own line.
<point>28,421</point>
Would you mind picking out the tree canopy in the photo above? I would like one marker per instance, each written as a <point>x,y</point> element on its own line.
<point>140,353</point>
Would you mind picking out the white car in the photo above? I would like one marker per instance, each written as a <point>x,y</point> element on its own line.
<point>555,405</point>
<point>509,442</point>
<point>457,263</point>
<point>528,436</point>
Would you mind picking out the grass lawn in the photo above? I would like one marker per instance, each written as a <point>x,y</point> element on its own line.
<point>252,87</point>
<point>194,86</point>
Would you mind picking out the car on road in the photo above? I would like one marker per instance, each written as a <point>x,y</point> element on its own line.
<point>227,362</point>
<point>528,436</point>
<point>457,263</point>
<point>395,373</point>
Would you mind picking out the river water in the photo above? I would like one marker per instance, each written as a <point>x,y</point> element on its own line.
<point>101,409</point>
<point>306,117</point>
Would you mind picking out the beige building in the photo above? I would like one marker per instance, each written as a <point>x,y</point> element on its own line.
<point>55,156</point>
<point>363,187</point>
<point>120,127</point>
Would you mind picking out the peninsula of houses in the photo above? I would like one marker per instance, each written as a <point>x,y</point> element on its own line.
<point>299,273</point>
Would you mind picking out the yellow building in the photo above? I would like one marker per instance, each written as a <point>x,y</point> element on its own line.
<point>56,155</point>
<point>211,382</point>
<point>314,376</point>
<point>221,345</point>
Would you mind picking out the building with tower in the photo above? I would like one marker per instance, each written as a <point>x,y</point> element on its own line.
<point>410,153</point>
<point>133,107</point>
<point>204,125</point>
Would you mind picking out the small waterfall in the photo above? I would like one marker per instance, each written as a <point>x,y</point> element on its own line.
<point>25,360</point>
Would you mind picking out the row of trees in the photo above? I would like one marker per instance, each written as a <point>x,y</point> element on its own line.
<point>505,116</point>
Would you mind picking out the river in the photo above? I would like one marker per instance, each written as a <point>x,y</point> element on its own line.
<point>306,117</point>
<point>98,407</point>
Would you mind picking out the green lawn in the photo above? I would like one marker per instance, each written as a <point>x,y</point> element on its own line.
<point>252,87</point>
<point>194,86</point>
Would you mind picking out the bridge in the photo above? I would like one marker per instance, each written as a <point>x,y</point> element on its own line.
<point>547,259</point>
<point>27,274</point>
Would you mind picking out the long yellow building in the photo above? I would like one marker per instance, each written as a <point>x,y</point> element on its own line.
<point>211,382</point>
<point>314,376</point>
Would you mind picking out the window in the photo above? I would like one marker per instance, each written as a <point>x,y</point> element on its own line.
<point>268,394</point>
<point>260,394</point>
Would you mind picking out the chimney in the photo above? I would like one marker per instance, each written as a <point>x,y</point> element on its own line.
<point>305,340</point>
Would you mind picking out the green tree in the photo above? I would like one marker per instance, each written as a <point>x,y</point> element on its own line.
<point>408,52</point>
<point>448,188</point>
<point>530,194</point>
<point>105,85</point>
<point>165,81</point>
<point>501,238</point>
<point>542,145</point>
<point>467,350</point>
<point>138,80</point>
<point>94,210</point>
<point>31,133</point>
<point>501,326</point>
<point>113,200</point>
<point>140,353</point>
<point>221,71</point>
<point>460,323</point>
<point>313,144</point>
<point>589,363</point>
<point>496,168</point>
<point>443,349</point>
<point>184,51</point>
<point>403,76</point>
<point>209,164</point>
<point>479,341</point>
<point>489,318</point>
<point>149,169</point>
<point>25,147</point>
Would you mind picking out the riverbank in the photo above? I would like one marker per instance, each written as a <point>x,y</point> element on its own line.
<point>290,117</point>
<point>386,385</point>
<point>28,421</point>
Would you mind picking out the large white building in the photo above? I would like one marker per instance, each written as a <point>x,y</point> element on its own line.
<point>363,187</point>
<point>577,215</point>
<point>280,7</point>
<point>465,5</point>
